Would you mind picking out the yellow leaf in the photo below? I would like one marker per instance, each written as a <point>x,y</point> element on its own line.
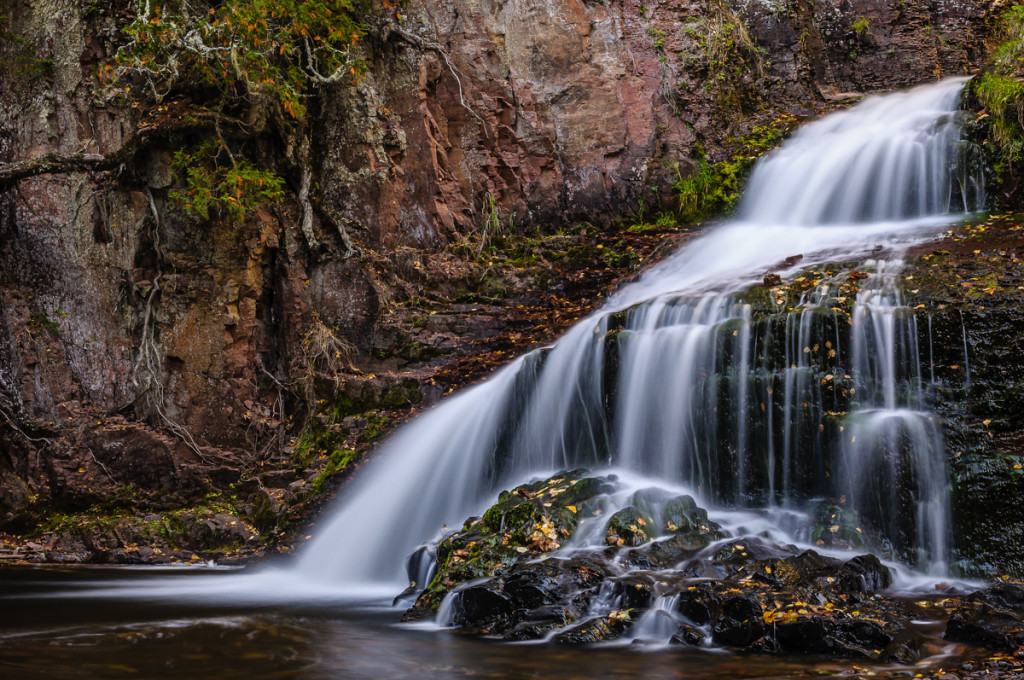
<point>571,508</point>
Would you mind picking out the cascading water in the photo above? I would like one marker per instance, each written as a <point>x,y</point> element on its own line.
<point>694,376</point>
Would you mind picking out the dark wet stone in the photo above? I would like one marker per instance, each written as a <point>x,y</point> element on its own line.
<point>419,566</point>
<point>688,635</point>
<point>598,629</point>
<point>669,552</point>
<point>543,620</point>
<point>751,549</point>
<point>630,526</point>
<point>533,585</point>
<point>701,605</point>
<point>741,622</point>
<point>986,626</point>
<point>826,635</point>
<point>1010,595</point>
<point>635,591</point>
<point>864,573</point>
<point>873,575</point>
<point>865,633</point>
<point>809,636</point>
<point>482,608</point>
<point>900,652</point>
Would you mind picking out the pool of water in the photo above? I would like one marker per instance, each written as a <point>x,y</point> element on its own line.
<point>76,623</point>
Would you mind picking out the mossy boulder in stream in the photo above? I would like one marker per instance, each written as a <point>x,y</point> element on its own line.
<point>530,520</point>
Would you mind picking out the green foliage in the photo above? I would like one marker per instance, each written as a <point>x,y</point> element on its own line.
<point>728,53</point>
<point>1001,91</point>
<point>1009,56</point>
<point>659,37</point>
<point>695,190</point>
<point>1003,98</point>
<point>40,321</point>
<point>860,26</point>
<point>216,181</point>
<point>243,49</point>
<point>18,56</point>
<point>714,188</point>
<point>258,60</point>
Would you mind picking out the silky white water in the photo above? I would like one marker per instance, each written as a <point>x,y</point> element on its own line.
<point>672,379</point>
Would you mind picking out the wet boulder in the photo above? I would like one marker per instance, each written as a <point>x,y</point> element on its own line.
<point>836,526</point>
<point>991,627</point>
<point>633,592</point>
<point>816,572</point>
<point>526,522</point>
<point>542,620</point>
<point>741,622</point>
<point>833,636</point>
<point>481,609</point>
<point>688,635</point>
<point>700,604</point>
<point>736,556</point>
<point>630,527</point>
<point>536,584</point>
<point>529,599</point>
<point>597,629</point>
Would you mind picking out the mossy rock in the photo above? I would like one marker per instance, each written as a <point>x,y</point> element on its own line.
<point>528,521</point>
<point>630,526</point>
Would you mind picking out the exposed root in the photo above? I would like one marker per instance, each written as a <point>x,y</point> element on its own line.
<point>419,42</point>
<point>147,375</point>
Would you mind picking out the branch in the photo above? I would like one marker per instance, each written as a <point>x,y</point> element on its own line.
<point>57,163</point>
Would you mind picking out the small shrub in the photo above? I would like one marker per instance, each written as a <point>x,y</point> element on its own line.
<point>215,181</point>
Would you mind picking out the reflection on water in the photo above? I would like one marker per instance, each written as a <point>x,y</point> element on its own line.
<point>75,635</point>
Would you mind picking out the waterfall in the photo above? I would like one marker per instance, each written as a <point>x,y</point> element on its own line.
<point>697,376</point>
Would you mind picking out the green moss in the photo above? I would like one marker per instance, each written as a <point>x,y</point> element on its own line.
<point>630,526</point>
<point>714,188</point>
<point>376,427</point>
<point>41,322</point>
<point>1003,98</point>
<point>531,519</point>
<point>339,462</point>
<point>860,26</point>
<point>317,440</point>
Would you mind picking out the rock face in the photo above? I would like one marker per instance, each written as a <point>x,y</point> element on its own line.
<point>569,110</point>
<point>142,347</point>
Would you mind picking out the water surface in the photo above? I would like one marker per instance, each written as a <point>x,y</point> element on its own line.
<point>58,623</point>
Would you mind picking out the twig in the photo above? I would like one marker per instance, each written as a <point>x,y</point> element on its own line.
<point>10,421</point>
<point>102,466</point>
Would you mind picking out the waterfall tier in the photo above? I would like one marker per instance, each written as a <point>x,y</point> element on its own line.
<point>749,397</point>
